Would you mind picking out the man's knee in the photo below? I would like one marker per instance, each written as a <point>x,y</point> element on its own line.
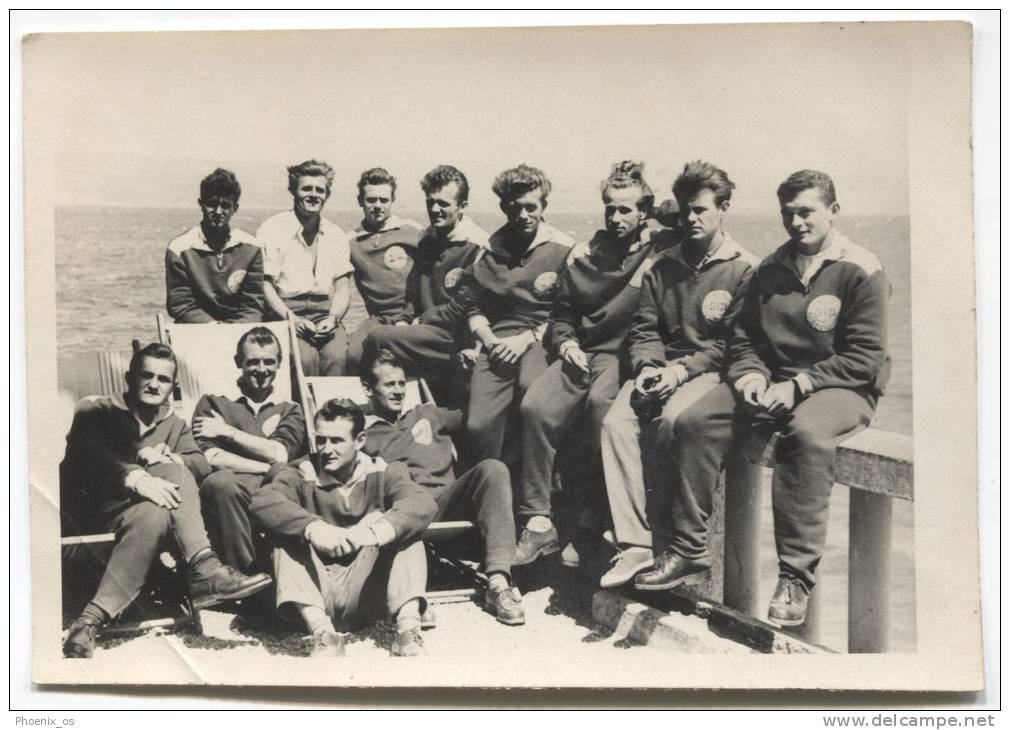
<point>533,410</point>
<point>178,474</point>
<point>806,434</point>
<point>147,518</point>
<point>221,486</point>
<point>691,424</point>
<point>493,474</point>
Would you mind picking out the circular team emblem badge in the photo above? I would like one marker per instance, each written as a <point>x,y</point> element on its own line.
<point>235,280</point>
<point>544,284</point>
<point>421,432</point>
<point>395,258</point>
<point>452,278</point>
<point>636,280</point>
<point>270,425</point>
<point>822,312</point>
<point>715,304</point>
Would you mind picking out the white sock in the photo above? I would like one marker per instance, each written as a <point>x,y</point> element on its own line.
<point>316,619</point>
<point>539,523</point>
<point>409,616</point>
<point>497,582</point>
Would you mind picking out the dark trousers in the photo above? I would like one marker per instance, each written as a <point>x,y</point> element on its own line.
<point>495,394</point>
<point>804,473</point>
<point>141,528</point>
<point>226,496</point>
<point>354,592</point>
<point>484,495</point>
<point>356,345</point>
<point>319,358</point>
<point>428,351</point>
<point>564,409</point>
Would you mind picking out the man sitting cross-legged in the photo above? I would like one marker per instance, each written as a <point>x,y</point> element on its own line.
<point>129,469</point>
<point>421,439</point>
<point>242,439</point>
<point>348,539</point>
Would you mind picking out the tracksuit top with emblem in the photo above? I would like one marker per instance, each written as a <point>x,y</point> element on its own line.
<point>422,440</point>
<point>287,503</point>
<point>102,448</point>
<point>207,286</point>
<point>598,291</point>
<point>513,284</point>
<point>686,312</point>
<point>282,421</point>
<point>438,269</point>
<point>828,333</point>
<point>382,261</point>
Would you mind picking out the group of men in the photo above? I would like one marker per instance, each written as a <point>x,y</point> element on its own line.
<point>641,356</point>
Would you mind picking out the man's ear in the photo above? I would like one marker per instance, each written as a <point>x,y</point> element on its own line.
<point>503,206</point>
<point>834,208</point>
<point>724,206</point>
<point>367,387</point>
<point>128,377</point>
<point>199,201</point>
<point>359,441</point>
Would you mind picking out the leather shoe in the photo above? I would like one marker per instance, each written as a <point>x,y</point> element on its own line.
<point>80,643</point>
<point>789,602</point>
<point>670,571</point>
<point>327,643</point>
<point>506,606</point>
<point>535,545</point>
<point>408,643</point>
<point>225,584</point>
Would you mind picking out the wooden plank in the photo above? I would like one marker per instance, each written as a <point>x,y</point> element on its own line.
<point>873,460</point>
<point>444,530</point>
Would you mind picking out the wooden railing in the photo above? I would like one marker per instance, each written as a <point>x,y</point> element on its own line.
<point>876,465</point>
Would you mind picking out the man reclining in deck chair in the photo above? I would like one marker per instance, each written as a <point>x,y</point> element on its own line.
<point>129,469</point>
<point>242,439</point>
<point>348,537</point>
<point>421,439</point>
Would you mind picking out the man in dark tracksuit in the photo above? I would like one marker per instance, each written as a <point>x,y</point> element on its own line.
<point>242,439</point>
<point>421,438</point>
<point>689,301</point>
<point>129,469</point>
<point>809,356</point>
<point>348,538</point>
<point>214,272</point>
<point>448,247</point>
<point>382,250</point>
<point>597,294</point>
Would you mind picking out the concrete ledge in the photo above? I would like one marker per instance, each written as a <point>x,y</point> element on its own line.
<point>873,460</point>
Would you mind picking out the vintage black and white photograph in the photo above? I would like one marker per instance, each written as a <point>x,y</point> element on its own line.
<point>494,357</point>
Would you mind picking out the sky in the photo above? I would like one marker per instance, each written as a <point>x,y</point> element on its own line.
<point>139,119</point>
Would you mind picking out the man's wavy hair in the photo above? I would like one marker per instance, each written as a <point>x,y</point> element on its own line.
<point>309,168</point>
<point>804,180</point>
<point>376,176</point>
<point>437,178</point>
<point>220,184</point>
<point>338,408</point>
<point>154,350</point>
<point>698,176</point>
<point>520,180</point>
<point>630,174</point>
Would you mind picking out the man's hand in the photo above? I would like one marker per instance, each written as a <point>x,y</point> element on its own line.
<point>574,356</point>
<point>326,325</point>
<point>308,472</point>
<point>329,540</point>
<point>160,491</point>
<point>780,398</point>
<point>212,427</point>
<point>305,327</point>
<point>752,392</point>
<point>670,378</point>
<point>647,379</point>
<point>508,350</point>
<point>151,455</point>
<point>402,323</point>
<point>361,536</point>
<point>466,359</point>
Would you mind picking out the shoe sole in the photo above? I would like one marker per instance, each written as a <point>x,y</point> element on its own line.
<point>571,563</point>
<point>216,598</point>
<point>630,578</point>
<point>787,623</point>
<point>541,553</point>
<point>671,584</point>
<point>506,622</point>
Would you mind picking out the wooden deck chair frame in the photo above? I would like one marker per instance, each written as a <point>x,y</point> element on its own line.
<point>112,370</point>
<point>436,531</point>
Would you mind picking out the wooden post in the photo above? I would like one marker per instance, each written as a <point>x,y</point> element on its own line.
<point>869,571</point>
<point>742,577</point>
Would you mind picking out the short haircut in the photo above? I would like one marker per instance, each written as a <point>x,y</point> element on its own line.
<point>517,181</point>
<point>698,176</point>
<point>381,356</point>
<point>309,168</point>
<point>261,336</point>
<point>220,184</point>
<point>376,176</point>
<point>804,180</point>
<point>338,408</point>
<point>437,178</point>
<point>629,174</point>
<point>154,350</point>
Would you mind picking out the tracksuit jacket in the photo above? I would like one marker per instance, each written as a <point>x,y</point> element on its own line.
<point>828,333</point>
<point>204,285</point>
<point>420,439</point>
<point>382,261</point>
<point>686,313</point>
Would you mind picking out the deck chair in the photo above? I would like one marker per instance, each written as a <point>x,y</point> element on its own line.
<point>206,354</point>
<point>107,376</point>
<point>317,390</point>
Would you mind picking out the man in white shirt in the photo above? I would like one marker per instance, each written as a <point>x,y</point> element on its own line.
<point>307,266</point>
